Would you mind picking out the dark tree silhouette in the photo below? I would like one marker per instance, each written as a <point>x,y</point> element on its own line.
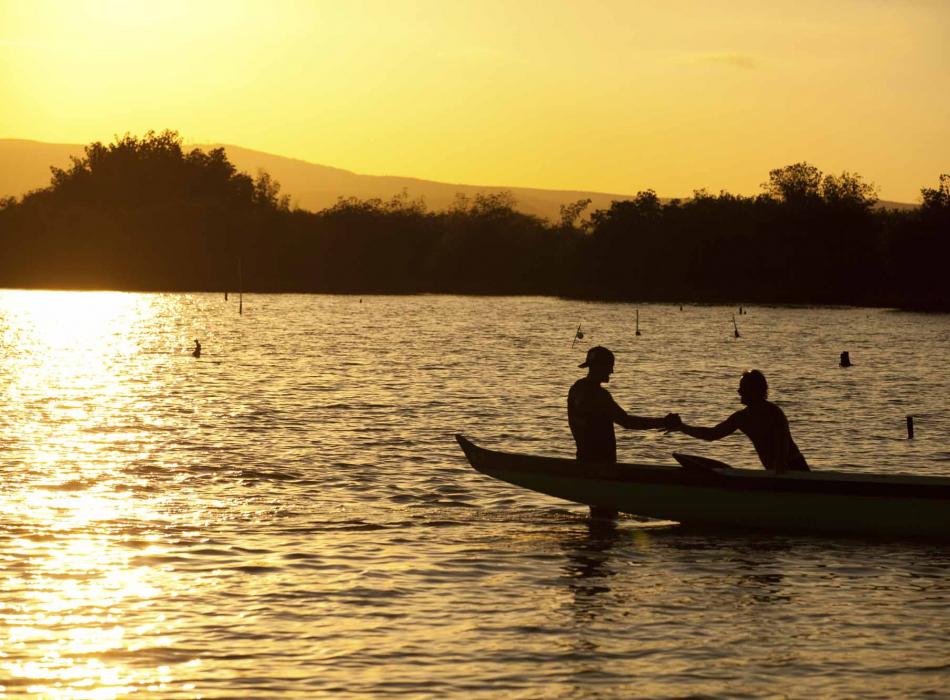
<point>571,213</point>
<point>794,183</point>
<point>935,199</point>
<point>141,213</point>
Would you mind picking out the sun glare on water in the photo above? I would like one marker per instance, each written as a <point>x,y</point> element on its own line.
<point>62,367</point>
<point>68,320</point>
<point>69,357</point>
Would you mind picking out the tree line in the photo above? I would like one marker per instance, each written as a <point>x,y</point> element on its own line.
<point>144,214</point>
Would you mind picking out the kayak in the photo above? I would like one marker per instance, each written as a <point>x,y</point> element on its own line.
<point>706,492</point>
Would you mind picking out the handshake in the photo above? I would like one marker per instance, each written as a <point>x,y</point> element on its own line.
<point>672,422</point>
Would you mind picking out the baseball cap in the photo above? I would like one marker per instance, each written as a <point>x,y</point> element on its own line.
<point>598,355</point>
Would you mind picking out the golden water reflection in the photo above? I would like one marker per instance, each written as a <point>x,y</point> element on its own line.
<point>288,514</point>
<point>76,592</point>
<point>71,573</point>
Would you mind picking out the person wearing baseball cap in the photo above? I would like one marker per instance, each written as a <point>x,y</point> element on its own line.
<point>592,412</point>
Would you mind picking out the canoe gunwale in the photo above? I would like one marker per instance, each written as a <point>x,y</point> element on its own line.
<point>827,483</point>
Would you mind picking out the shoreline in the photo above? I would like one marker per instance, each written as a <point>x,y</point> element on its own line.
<point>746,303</point>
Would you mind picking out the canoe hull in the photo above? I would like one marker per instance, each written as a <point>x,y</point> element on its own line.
<point>812,502</point>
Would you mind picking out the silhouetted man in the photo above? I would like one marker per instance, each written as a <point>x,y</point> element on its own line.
<point>592,412</point>
<point>762,421</point>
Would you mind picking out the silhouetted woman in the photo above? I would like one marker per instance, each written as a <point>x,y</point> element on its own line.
<point>762,421</point>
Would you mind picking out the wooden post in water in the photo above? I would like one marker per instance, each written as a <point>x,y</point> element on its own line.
<point>910,427</point>
<point>735,325</point>
<point>240,287</point>
<point>638,320</point>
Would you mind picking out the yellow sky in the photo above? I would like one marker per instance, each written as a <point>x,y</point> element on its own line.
<point>611,96</point>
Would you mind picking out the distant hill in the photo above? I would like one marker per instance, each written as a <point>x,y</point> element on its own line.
<point>315,187</point>
<point>25,165</point>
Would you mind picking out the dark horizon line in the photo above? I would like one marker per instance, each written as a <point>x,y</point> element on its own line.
<point>747,303</point>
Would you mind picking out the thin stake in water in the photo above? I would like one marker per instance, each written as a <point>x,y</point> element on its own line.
<point>735,325</point>
<point>578,335</point>
<point>240,287</point>
<point>638,321</point>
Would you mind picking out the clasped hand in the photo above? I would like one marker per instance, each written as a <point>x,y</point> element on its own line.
<point>672,422</point>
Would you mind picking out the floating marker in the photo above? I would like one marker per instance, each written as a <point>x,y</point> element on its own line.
<point>578,335</point>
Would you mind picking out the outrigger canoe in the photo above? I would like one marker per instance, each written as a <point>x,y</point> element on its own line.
<point>706,492</point>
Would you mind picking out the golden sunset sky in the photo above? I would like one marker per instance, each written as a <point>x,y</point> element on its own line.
<point>612,96</point>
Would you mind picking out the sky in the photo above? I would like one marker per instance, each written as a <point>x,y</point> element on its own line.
<point>609,96</point>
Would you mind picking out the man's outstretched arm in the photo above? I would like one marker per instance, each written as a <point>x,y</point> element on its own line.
<point>727,427</point>
<point>624,419</point>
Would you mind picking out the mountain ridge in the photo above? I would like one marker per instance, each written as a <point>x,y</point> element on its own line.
<point>25,166</point>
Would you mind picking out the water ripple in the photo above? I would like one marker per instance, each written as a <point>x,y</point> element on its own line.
<point>289,515</point>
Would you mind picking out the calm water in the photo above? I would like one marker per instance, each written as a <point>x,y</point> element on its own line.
<point>289,515</point>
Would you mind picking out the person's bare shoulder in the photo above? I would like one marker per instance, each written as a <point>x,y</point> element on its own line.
<point>738,420</point>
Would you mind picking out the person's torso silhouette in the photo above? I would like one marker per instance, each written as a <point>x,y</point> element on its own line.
<point>766,426</point>
<point>590,414</point>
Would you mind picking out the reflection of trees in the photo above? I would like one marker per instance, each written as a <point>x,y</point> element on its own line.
<point>145,214</point>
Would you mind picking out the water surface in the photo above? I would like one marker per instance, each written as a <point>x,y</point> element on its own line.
<point>288,515</point>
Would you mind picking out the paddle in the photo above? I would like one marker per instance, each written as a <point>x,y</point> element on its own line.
<point>697,463</point>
